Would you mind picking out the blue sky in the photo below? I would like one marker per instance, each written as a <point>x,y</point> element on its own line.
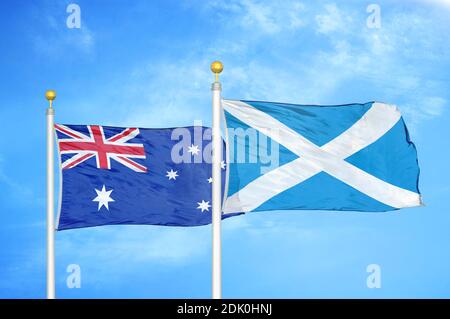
<point>146,64</point>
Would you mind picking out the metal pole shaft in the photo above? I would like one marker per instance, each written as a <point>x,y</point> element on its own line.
<point>216,194</point>
<point>50,206</point>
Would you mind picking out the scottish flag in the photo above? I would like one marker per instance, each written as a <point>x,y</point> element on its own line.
<point>356,157</point>
<point>113,175</point>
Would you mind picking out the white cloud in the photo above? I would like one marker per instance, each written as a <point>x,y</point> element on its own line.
<point>168,94</point>
<point>388,60</point>
<point>58,39</point>
<point>333,20</point>
<point>443,3</point>
<point>134,244</point>
<point>267,17</point>
<point>434,106</point>
<point>423,108</point>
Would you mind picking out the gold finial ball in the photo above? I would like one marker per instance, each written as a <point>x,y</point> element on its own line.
<point>50,95</point>
<point>216,67</point>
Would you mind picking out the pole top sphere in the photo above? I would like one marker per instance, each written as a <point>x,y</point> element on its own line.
<point>216,67</point>
<point>50,95</point>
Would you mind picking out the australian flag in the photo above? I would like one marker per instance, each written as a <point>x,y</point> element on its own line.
<point>113,175</point>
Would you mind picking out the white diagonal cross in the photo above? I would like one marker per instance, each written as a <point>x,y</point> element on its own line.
<point>329,158</point>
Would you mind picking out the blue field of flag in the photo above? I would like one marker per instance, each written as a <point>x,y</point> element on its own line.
<point>113,175</point>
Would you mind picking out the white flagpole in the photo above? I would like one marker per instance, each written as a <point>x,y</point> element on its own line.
<point>50,95</point>
<point>216,68</point>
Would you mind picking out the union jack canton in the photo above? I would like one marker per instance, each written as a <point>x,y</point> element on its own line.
<point>104,149</point>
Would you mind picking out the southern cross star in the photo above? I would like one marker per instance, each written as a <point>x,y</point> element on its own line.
<point>172,174</point>
<point>203,206</point>
<point>103,197</point>
<point>193,149</point>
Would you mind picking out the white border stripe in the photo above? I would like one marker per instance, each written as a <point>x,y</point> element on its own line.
<point>130,135</point>
<point>74,158</point>
<point>77,134</point>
